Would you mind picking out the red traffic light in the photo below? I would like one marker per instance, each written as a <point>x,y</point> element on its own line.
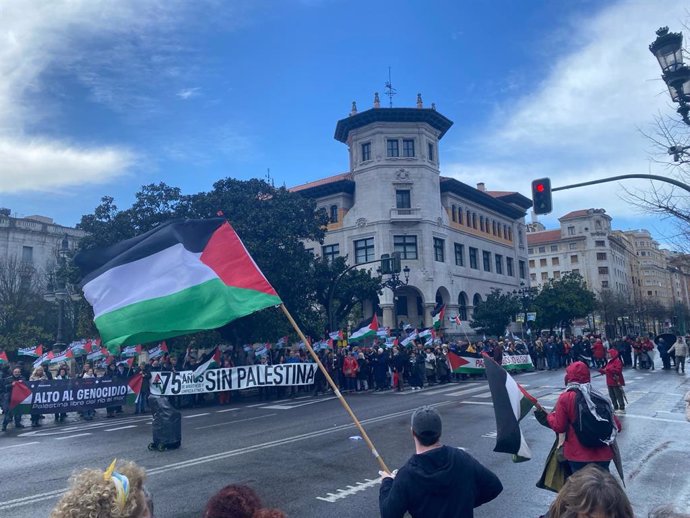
<point>541,196</point>
<point>540,187</point>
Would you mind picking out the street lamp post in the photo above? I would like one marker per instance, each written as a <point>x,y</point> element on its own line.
<point>525,294</point>
<point>59,290</point>
<point>668,50</point>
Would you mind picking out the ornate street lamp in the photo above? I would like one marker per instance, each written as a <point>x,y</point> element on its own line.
<point>394,282</point>
<point>668,50</point>
<point>59,290</point>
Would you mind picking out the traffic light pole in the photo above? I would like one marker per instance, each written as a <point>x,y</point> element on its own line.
<point>625,177</point>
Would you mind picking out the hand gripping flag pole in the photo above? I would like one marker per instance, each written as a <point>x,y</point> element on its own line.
<point>335,389</point>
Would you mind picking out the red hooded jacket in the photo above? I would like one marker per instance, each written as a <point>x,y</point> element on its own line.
<point>614,370</point>
<point>562,418</point>
<point>598,350</point>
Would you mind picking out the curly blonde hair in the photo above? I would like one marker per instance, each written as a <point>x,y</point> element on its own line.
<point>91,496</point>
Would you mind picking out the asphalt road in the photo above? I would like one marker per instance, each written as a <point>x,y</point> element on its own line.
<point>303,456</point>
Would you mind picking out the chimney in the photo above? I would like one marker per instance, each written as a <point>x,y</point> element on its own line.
<point>419,101</point>
<point>481,187</point>
<point>377,103</point>
<point>354,109</point>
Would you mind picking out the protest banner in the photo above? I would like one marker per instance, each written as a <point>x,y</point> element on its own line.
<point>75,395</point>
<point>167,383</point>
<point>475,365</point>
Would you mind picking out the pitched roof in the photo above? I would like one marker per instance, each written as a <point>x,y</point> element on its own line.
<point>539,238</point>
<point>322,181</point>
<point>511,197</point>
<point>482,198</point>
<point>575,214</point>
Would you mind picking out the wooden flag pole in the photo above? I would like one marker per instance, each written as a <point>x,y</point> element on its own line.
<point>335,389</point>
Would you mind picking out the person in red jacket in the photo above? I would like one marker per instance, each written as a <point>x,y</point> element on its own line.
<point>599,353</point>
<point>615,381</point>
<point>562,419</point>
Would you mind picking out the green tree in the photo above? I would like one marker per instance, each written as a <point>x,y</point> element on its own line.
<point>492,315</point>
<point>561,300</point>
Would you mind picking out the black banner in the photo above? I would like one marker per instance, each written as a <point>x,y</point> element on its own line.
<point>77,395</point>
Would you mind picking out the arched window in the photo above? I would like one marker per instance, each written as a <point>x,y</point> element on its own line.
<point>334,214</point>
<point>455,213</point>
<point>462,306</point>
<point>460,215</point>
<point>481,223</point>
<point>474,220</point>
<point>476,299</point>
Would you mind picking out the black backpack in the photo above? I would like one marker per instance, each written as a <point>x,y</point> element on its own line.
<point>589,430</point>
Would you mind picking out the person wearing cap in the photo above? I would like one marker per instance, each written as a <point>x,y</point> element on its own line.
<point>438,481</point>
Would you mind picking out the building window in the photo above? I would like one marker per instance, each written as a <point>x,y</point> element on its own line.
<point>601,256</point>
<point>542,263</point>
<point>401,305</point>
<point>600,243</point>
<point>572,246</point>
<point>366,151</point>
<point>542,249</point>
<point>493,227</point>
<point>473,258</point>
<point>459,254</point>
<point>430,151</point>
<point>574,259</point>
<point>603,270</point>
<point>474,220</point>
<point>469,218</point>
<point>509,267</point>
<point>555,261</point>
<point>460,215</point>
<point>408,148</point>
<point>486,259</point>
<point>576,271</point>
<point>556,274</point>
<point>510,235</point>
<point>364,250</point>
<point>406,246</point>
<point>499,263</point>
<point>454,211</point>
<point>402,199</point>
<point>604,284</point>
<point>554,248</point>
<point>330,252</point>
<point>438,250</point>
<point>571,231</point>
<point>531,263</point>
<point>521,267</point>
<point>533,277</point>
<point>530,251</point>
<point>334,214</point>
<point>27,254</point>
<point>481,223</point>
<point>392,149</point>
<point>544,276</point>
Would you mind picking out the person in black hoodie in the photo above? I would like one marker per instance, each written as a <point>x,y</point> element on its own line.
<point>438,481</point>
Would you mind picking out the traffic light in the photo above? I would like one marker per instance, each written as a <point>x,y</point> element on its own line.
<point>395,263</point>
<point>541,196</point>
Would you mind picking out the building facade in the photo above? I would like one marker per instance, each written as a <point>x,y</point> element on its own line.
<point>35,240</point>
<point>459,241</point>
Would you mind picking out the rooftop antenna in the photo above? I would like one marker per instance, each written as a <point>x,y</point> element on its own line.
<point>269,180</point>
<point>390,91</point>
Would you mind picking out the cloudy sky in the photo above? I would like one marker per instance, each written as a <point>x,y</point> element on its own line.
<point>98,98</point>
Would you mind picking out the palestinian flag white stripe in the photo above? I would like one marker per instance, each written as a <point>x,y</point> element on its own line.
<point>158,275</point>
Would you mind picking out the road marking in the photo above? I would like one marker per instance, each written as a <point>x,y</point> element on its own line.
<point>196,415</point>
<point>255,405</point>
<point>477,403</point>
<point>483,395</point>
<point>652,418</point>
<point>467,391</point>
<point>120,428</point>
<point>83,426</point>
<point>351,490</point>
<point>19,445</point>
<point>235,421</point>
<point>72,436</point>
<point>490,435</point>
<point>528,374</point>
<point>290,407</point>
<point>28,500</point>
<point>226,410</point>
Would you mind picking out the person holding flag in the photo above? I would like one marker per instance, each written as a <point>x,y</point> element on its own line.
<point>8,385</point>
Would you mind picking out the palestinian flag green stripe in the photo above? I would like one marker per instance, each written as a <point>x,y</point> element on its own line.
<point>205,306</point>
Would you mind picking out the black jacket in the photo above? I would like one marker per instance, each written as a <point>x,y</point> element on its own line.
<point>442,483</point>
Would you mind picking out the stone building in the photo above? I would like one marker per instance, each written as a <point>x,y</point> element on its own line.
<point>458,241</point>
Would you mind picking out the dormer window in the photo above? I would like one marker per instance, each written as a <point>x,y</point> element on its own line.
<point>430,151</point>
<point>366,151</point>
<point>334,214</point>
<point>392,148</point>
<point>408,148</point>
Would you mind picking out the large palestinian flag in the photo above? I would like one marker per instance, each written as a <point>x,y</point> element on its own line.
<point>437,317</point>
<point>365,329</point>
<point>181,277</point>
<point>511,404</point>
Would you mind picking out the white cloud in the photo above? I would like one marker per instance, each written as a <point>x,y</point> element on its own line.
<point>583,120</point>
<point>188,93</point>
<point>107,47</point>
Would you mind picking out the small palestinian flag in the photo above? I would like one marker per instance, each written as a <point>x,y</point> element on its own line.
<point>3,358</point>
<point>130,351</point>
<point>22,397</point>
<point>437,317</point>
<point>365,329</point>
<point>336,335</point>
<point>35,352</point>
<point>158,351</point>
<point>410,338</point>
<point>511,404</point>
<point>208,361</point>
<point>181,277</point>
<point>458,322</point>
<point>128,362</point>
<point>78,348</point>
<point>426,333</point>
<point>64,356</point>
<point>43,359</point>
<point>98,354</point>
